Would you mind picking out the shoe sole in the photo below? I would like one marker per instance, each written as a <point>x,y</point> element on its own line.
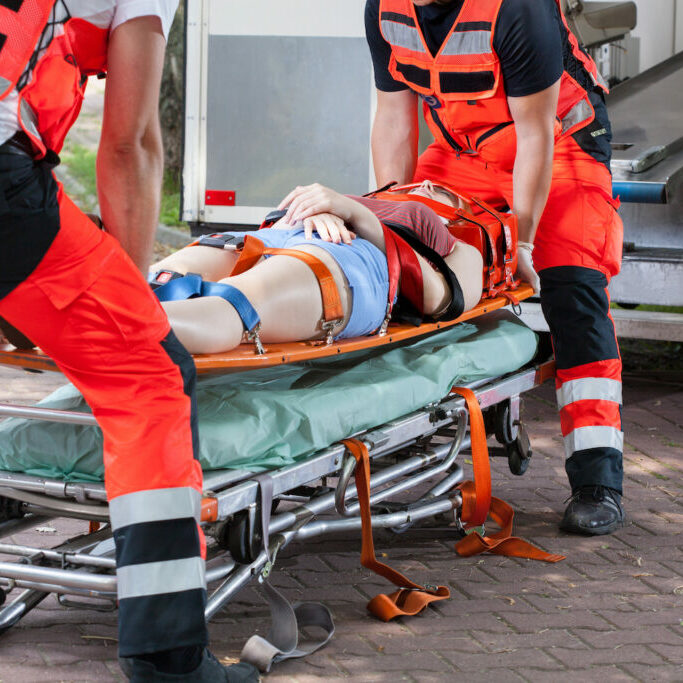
<point>594,531</point>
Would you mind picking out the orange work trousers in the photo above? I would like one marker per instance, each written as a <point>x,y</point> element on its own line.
<point>577,250</point>
<point>89,308</point>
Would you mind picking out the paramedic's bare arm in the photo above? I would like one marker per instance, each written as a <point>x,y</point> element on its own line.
<point>534,117</point>
<point>130,157</point>
<point>394,137</point>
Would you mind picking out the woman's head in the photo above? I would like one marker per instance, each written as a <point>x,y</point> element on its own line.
<point>435,192</point>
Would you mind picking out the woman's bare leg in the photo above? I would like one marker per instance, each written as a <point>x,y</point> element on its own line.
<point>283,290</point>
<point>209,262</point>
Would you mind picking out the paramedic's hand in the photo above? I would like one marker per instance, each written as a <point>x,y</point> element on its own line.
<point>329,227</point>
<point>310,200</point>
<point>525,266</point>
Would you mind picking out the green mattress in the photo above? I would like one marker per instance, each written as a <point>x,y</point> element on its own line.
<point>268,418</point>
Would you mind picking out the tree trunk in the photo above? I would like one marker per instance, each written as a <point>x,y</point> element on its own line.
<point>171,99</point>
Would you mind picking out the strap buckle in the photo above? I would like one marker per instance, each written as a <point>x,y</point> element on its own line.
<point>385,323</point>
<point>328,326</point>
<point>253,335</point>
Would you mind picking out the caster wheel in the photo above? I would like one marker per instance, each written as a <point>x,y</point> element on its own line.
<point>503,424</point>
<point>519,453</point>
<point>244,539</point>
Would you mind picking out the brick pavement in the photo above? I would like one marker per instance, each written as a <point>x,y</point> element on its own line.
<point>613,611</point>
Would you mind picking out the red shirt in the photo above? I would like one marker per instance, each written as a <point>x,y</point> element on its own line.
<point>416,217</point>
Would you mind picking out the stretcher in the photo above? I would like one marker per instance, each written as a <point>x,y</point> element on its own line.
<point>311,491</point>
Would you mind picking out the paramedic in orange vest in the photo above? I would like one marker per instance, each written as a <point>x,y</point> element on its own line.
<point>78,293</point>
<point>518,115</point>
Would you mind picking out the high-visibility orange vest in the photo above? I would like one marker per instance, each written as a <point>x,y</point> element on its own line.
<point>51,100</point>
<point>465,104</point>
<point>21,23</point>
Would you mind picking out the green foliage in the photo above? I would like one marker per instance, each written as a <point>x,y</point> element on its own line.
<point>170,201</point>
<point>78,175</point>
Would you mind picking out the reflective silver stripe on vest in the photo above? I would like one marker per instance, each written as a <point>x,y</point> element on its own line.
<point>583,438</point>
<point>579,113</point>
<point>589,389</point>
<point>155,578</point>
<point>468,43</point>
<point>155,505</point>
<point>4,85</point>
<point>28,119</point>
<point>400,35</point>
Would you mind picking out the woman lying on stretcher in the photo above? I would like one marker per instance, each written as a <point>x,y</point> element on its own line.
<point>345,260</point>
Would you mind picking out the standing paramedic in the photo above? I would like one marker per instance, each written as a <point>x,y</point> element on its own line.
<point>514,103</point>
<point>78,293</point>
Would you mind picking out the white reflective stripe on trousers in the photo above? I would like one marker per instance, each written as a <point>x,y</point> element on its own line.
<point>155,505</point>
<point>589,389</point>
<point>403,36</point>
<point>599,436</point>
<point>155,578</point>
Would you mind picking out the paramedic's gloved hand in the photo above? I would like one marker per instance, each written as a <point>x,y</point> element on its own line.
<point>525,266</point>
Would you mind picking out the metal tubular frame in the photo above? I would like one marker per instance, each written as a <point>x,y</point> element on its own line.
<point>402,457</point>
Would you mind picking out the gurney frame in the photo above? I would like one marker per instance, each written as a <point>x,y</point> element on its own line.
<point>404,453</point>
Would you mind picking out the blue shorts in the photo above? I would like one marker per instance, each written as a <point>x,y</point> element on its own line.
<point>364,266</point>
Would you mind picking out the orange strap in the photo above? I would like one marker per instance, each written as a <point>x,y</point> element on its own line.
<point>477,503</point>
<point>254,249</point>
<point>411,598</point>
<point>501,542</point>
<point>475,509</point>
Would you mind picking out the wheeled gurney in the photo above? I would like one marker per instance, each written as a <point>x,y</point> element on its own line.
<point>412,436</point>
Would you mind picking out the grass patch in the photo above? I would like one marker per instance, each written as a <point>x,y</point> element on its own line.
<point>79,176</point>
<point>170,201</point>
<point>80,183</point>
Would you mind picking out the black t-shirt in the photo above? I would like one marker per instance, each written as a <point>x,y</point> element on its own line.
<point>527,40</point>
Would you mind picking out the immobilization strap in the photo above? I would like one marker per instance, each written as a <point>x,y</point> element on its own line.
<point>404,267</point>
<point>254,249</point>
<point>478,504</point>
<point>411,598</point>
<point>282,641</point>
<point>192,286</point>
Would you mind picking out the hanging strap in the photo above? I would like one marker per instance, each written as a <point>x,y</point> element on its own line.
<point>282,641</point>
<point>476,509</point>
<point>254,249</point>
<point>478,505</point>
<point>411,597</point>
<point>501,542</point>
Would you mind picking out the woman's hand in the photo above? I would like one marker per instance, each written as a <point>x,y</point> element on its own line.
<point>329,227</point>
<point>309,200</point>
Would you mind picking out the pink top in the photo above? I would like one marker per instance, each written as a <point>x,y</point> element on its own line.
<point>415,216</point>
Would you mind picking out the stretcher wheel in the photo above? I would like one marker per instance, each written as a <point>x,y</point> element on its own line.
<point>519,452</point>
<point>503,427</point>
<point>244,537</point>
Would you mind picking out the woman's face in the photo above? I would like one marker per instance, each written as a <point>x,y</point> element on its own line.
<point>430,191</point>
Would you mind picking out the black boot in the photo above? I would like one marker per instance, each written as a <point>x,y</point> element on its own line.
<point>210,670</point>
<point>593,511</point>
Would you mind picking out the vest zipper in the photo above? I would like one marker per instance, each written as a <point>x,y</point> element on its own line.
<point>447,136</point>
